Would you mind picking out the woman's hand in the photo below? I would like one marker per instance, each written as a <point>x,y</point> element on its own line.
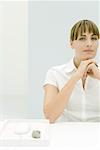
<point>93,71</point>
<point>82,69</point>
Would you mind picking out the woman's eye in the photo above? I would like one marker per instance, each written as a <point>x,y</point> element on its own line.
<point>82,39</point>
<point>93,38</point>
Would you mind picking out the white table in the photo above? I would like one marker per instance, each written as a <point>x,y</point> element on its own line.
<point>74,136</point>
<point>79,135</point>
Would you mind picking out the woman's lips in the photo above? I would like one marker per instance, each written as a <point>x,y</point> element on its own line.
<point>88,51</point>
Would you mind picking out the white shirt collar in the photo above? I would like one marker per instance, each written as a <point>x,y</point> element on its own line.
<point>70,66</point>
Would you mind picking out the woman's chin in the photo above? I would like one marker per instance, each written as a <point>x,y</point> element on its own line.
<point>88,57</point>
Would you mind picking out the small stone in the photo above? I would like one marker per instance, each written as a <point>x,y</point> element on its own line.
<point>36,134</point>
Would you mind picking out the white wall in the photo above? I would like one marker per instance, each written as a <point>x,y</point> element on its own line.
<point>49,30</point>
<point>13,58</point>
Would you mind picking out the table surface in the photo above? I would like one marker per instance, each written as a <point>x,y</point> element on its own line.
<point>78,135</point>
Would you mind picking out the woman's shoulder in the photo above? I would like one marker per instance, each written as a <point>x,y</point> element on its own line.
<point>57,67</point>
<point>68,66</point>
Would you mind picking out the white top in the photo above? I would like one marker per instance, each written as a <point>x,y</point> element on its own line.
<point>83,105</point>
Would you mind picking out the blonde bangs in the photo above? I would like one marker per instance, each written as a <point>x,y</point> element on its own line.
<point>82,27</point>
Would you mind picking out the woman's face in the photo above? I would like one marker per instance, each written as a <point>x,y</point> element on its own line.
<point>85,46</point>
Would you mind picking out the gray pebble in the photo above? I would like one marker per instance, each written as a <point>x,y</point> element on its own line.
<point>36,134</point>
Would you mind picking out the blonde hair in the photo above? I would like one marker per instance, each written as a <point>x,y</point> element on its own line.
<point>83,26</point>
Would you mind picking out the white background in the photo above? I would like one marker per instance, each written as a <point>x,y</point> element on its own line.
<point>13,58</point>
<point>35,36</point>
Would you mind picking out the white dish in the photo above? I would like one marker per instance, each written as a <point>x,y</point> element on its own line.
<point>21,128</point>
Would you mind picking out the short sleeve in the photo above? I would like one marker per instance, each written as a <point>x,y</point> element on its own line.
<point>50,78</point>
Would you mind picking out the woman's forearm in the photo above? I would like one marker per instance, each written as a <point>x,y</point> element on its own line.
<point>56,106</point>
<point>98,75</point>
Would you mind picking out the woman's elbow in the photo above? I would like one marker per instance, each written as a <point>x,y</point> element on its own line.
<point>48,115</point>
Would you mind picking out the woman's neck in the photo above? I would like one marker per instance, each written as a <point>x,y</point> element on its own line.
<point>76,62</point>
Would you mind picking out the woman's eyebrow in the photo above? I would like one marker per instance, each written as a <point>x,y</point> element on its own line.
<point>85,35</point>
<point>93,35</point>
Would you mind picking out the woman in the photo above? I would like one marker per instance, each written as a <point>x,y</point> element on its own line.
<point>72,89</point>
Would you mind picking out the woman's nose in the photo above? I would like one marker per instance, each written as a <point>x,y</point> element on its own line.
<point>89,43</point>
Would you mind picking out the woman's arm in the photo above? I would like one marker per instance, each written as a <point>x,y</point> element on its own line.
<point>98,75</point>
<point>55,101</point>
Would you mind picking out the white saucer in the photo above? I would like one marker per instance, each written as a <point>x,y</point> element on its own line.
<point>21,128</point>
